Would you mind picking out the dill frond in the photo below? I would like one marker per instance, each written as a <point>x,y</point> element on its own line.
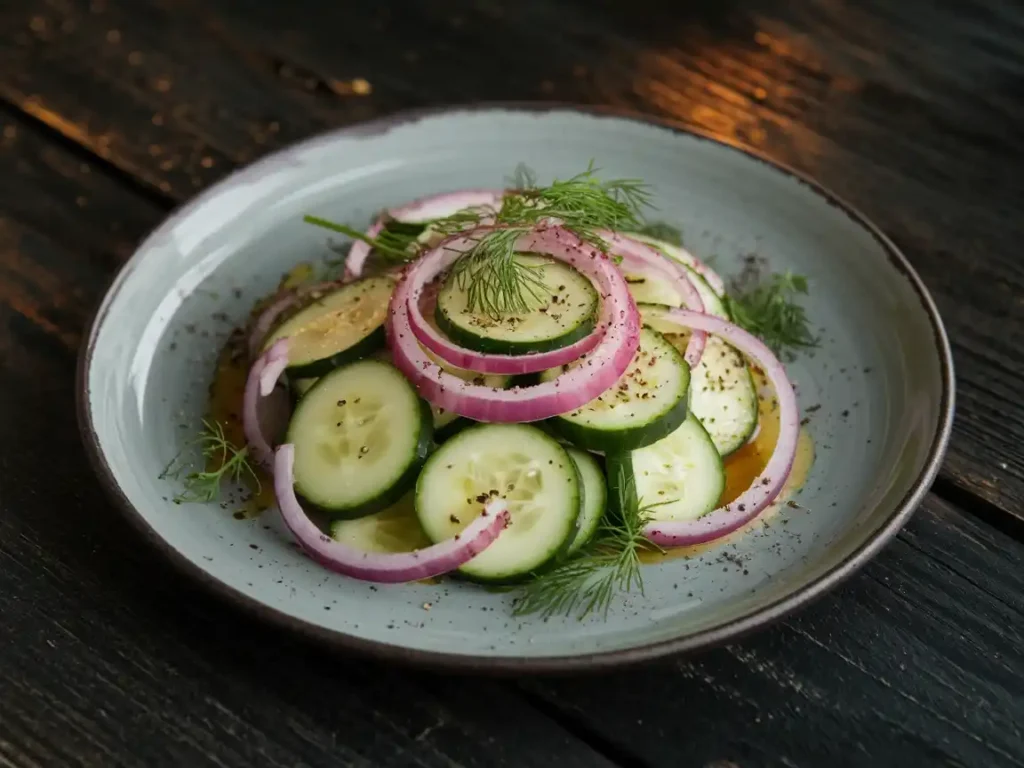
<point>609,565</point>
<point>232,463</point>
<point>767,307</point>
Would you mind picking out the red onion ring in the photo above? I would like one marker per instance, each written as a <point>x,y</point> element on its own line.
<point>698,339</point>
<point>385,568</point>
<point>436,263</point>
<point>422,209</point>
<point>629,250</point>
<point>360,252</point>
<point>260,383</point>
<point>273,369</point>
<point>608,360</point>
<point>766,487</point>
<point>638,253</point>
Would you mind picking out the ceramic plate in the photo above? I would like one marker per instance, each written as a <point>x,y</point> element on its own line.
<point>878,392</point>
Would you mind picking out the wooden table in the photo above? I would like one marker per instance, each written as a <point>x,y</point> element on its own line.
<point>112,112</point>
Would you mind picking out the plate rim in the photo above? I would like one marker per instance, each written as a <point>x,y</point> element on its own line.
<point>444,661</point>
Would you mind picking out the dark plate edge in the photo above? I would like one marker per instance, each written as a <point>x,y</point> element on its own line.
<point>552,664</point>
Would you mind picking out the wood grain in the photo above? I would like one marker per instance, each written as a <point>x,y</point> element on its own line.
<point>110,658</point>
<point>911,111</point>
<point>916,662</point>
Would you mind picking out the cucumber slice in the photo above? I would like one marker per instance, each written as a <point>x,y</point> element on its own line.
<point>682,474</point>
<point>673,251</point>
<point>361,435</point>
<point>594,496</point>
<point>646,289</point>
<point>722,391</point>
<point>723,396</point>
<point>300,387</point>
<point>647,403</point>
<point>519,463</point>
<point>446,423</point>
<point>651,290</point>
<point>656,292</point>
<point>713,303</point>
<point>394,529</point>
<point>341,327</point>
<point>565,314</point>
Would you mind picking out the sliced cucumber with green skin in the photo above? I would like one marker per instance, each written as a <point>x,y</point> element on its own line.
<point>645,404</point>
<point>713,303</point>
<point>722,390</point>
<point>518,463</point>
<point>299,387</point>
<point>446,423</point>
<point>395,529</point>
<point>565,314</point>
<point>652,291</point>
<point>680,477</point>
<point>594,497</point>
<point>361,435</point>
<point>340,327</point>
<point>673,251</point>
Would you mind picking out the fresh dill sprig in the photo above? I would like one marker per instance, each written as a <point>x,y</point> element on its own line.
<point>661,230</point>
<point>392,242</point>
<point>231,462</point>
<point>767,307</point>
<point>610,564</point>
<point>498,284</point>
<point>583,203</point>
<point>495,282</point>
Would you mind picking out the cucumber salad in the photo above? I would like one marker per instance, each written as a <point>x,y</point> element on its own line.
<point>515,387</point>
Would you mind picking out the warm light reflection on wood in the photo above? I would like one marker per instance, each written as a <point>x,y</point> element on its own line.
<point>67,128</point>
<point>757,98</point>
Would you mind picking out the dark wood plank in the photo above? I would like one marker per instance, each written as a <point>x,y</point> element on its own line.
<point>917,661</point>
<point>109,658</point>
<point>910,110</point>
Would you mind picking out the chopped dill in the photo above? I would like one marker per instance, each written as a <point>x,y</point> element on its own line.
<point>232,464</point>
<point>588,582</point>
<point>766,306</point>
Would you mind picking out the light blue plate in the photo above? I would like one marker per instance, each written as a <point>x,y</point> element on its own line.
<point>882,378</point>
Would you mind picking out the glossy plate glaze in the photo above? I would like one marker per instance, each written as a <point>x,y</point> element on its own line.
<point>879,390</point>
